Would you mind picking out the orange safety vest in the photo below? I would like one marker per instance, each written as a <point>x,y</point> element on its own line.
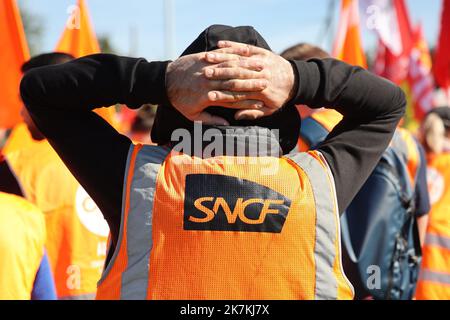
<point>22,240</point>
<point>76,230</point>
<point>226,228</point>
<point>434,280</point>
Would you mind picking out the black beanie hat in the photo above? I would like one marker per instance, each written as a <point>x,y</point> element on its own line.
<point>287,120</point>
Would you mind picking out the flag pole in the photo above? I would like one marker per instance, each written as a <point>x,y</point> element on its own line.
<point>169,28</point>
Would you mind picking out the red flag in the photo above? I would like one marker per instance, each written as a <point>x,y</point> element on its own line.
<point>420,78</point>
<point>442,58</point>
<point>14,52</point>
<point>396,39</point>
<point>390,66</point>
<point>348,45</point>
<point>408,64</point>
<point>404,25</point>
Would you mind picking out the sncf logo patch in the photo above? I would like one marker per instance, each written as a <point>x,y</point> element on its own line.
<point>223,203</point>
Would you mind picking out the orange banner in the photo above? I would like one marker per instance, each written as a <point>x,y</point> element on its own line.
<point>79,39</point>
<point>13,54</point>
<point>348,45</point>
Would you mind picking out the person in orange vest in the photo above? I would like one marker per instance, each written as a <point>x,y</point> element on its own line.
<point>24,270</point>
<point>77,233</point>
<point>141,125</point>
<point>434,280</point>
<point>205,214</point>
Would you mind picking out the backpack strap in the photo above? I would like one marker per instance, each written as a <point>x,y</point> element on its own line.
<point>405,146</point>
<point>399,168</point>
<point>313,132</point>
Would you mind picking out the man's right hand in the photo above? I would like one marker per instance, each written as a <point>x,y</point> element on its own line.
<point>191,90</point>
<point>277,71</point>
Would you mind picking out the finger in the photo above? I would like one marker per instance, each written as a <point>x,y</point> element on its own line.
<point>217,57</point>
<point>253,85</point>
<point>231,73</point>
<point>250,85</point>
<point>217,97</point>
<point>240,48</point>
<point>209,119</point>
<point>253,114</point>
<point>243,105</point>
<point>248,63</point>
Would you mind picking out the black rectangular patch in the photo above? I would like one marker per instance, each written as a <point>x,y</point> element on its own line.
<point>225,203</point>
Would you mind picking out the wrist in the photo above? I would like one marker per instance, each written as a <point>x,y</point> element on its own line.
<point>167,81</point>
<point>293,83</point>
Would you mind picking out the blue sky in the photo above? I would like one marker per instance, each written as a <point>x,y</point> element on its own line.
<point>282,22</point>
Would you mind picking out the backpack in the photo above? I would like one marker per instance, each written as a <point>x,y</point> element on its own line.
<point>381,246</point>
<point>380,242</point>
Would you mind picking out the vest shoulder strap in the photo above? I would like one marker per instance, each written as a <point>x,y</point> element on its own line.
<point>405,147</point>
<point>143,165</point>
<point>313,132</point>
<point>327,220</point>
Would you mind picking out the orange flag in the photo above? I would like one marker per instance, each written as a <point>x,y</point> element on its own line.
<point>14,52</point>
<point>348,44</point>
<point>78,39</point>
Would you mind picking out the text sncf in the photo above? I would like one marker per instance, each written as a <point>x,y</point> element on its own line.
<point>237,205</point>
<point>239,209</point>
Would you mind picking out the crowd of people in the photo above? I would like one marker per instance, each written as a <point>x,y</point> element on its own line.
<point>245,175</point>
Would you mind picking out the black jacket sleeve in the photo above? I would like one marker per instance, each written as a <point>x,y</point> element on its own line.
<point>61,98</point>
<point>372,108</point>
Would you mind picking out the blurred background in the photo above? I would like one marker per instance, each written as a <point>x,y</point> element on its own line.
<point>161,29</point>
<point>396,39</point>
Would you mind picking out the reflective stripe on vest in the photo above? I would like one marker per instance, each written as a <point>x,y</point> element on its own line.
<point>324,248</point>
<point>128,273</point>
<point>437,241</point>
<point>140,181</point>
<point>139,225</point>
<point>433,276</point>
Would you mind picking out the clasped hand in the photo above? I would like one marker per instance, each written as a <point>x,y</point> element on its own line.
<point>252,80</point>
